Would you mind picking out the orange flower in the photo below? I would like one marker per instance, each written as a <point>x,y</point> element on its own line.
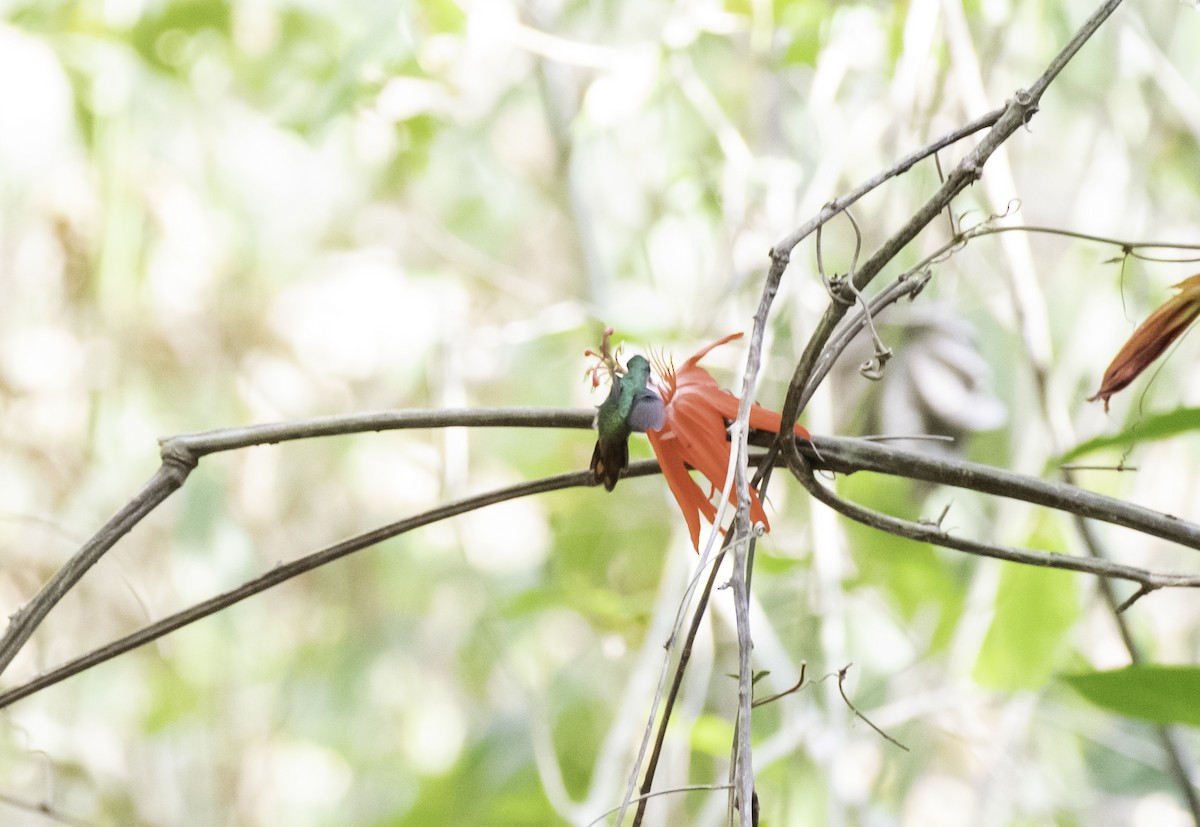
<point>1152,337</point>
<point>694,433</point>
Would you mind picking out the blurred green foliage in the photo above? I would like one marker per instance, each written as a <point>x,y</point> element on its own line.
<point>1035,609</point>
<point>1153,692</point>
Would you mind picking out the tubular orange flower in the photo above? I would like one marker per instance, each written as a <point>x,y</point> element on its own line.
<point>696,416</point>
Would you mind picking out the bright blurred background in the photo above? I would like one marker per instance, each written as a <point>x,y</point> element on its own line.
<point>217,213</point>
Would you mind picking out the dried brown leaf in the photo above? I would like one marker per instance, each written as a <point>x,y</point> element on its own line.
<point>1153,336</point>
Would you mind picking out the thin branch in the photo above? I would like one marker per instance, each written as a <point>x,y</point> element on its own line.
<point>841,679</point>
<point>908,284</point>
<point>286,571</point>
<point>1141,592</point>
<point>643,797</point>
<point>781,253</point>
<point>1179,768</point>
<point>912,281</point>
<point>834,453</point>
<point>1016,114</point>
<point>44,810</point>
<point>685,656</point>
<point>1089,28</point>
<point>830,210</point>
<point>231,439</point>
<point>743,544</point>
<point>684,603</point>
<point>1177,763</point>
<point>794,688</point>
<point>1165,259</point>
<point>180,455</point>
<point>1127,246</point>
<point>743,767</point>
<point>846,455</point>
<point>22,624</point>
<point>932,532</point>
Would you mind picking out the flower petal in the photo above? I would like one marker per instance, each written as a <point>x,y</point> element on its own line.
<point>687,494</point>
<point>1152,337</point>
<point>694,433</point>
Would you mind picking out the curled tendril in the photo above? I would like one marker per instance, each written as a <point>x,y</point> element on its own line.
<point>874,367</point>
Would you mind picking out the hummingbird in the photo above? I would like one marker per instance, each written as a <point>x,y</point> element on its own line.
<point>630,406</point>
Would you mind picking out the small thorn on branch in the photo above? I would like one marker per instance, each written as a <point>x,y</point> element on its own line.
<point>1142,591</point>
<point>937,523</point>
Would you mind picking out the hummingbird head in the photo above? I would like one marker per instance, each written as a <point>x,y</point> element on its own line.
<point>646,411</point>
<point>637,367</point>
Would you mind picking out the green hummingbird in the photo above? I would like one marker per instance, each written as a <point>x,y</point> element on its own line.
<point>630,406</point>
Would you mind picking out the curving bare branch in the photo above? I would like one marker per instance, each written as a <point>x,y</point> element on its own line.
<point>933,532</point>
<point>181,454</point>
<point>1016,113</point>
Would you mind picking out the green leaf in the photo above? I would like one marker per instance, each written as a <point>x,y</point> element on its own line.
<point>1035,608</point>
<point>1149,429</point>
<point>1163,694</point>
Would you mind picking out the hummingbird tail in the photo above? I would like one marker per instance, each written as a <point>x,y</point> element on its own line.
<point>607,466</point>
